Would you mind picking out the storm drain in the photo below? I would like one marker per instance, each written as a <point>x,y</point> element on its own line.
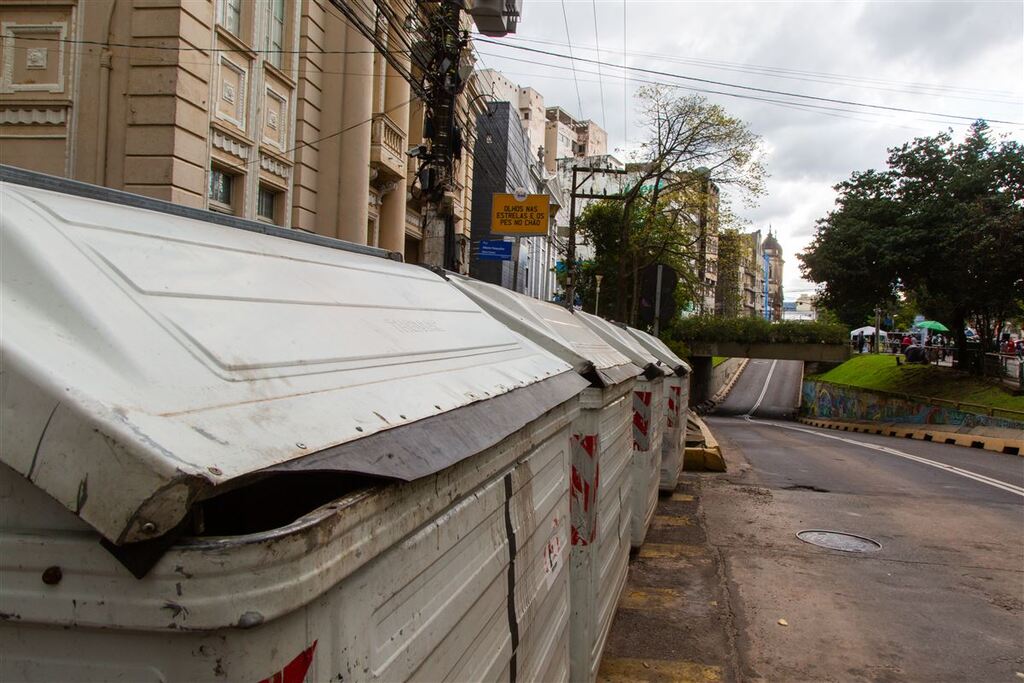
<point>838,540</point>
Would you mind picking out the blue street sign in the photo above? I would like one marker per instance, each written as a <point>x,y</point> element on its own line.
<point>494,250</point>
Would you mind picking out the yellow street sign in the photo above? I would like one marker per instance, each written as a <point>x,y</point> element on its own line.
<point>525,216</point>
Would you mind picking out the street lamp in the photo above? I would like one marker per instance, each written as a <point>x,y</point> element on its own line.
<point>597,298</point>
<point>878,326</point>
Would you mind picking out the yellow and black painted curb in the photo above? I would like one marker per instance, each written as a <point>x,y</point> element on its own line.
<point>998,444</point>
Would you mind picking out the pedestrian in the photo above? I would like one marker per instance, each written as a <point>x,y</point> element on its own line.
<point>907,341</point>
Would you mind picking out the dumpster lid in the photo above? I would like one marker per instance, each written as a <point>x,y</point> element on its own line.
<point>661,350</point>
<point>554,328</point>
<point>153,360</point>
<point>625,343</point>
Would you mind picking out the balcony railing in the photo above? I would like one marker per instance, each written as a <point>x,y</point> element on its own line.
<point>387,147</point>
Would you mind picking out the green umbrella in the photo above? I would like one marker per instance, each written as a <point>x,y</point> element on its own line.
<point>932,325</point>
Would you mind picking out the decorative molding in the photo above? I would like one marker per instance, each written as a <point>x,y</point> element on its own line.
<point>50,117</point>
<point>277,121</point>
<point>230,145</point>
<point>10,31</point>
<point>230,94</point>
<point>272,165</point>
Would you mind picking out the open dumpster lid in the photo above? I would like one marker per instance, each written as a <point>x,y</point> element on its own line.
<point>626,344</point>
<point>661,350</point>
<point>152,360</point>
<point>554,328</point>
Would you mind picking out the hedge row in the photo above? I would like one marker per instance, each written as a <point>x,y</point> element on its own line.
<point>757,331</point>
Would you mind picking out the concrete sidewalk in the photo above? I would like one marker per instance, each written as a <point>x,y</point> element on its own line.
<point>673,622</point>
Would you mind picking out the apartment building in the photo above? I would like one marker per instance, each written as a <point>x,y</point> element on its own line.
<point>565,137</point>
<point>528,103</point>
<point>274,110</point>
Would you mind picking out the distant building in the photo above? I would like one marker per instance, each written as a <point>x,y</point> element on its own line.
<point>505,164</point>
<point>804,308</point>
<point>528,103</point>
<point>739,290</point>
<point>773,250</point>
<point>566,137</point>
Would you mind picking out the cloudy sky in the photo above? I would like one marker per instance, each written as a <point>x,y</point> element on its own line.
<point>945,58</point>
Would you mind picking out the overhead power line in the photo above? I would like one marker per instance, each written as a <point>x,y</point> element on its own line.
<point>805,106</point>
<point>600,80</point>
<point>189,48</point>
<point>749,88</point>
<point>565,18</point>
<point>941,90</point>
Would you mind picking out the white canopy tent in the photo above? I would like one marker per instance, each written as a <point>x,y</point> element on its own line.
<point>867,331</point>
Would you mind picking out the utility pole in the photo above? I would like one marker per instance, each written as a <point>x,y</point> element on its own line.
<point>574,194</point>
<point>444,80</point>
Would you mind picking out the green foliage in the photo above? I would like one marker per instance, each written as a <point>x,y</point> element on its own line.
<point>880,373</point>
<point>692,148</point>
<point>648,239</point>
<point>757,331</point>
<point>943,227</point>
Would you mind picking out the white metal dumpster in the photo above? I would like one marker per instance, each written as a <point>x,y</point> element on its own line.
<point>677,398</point>
<point>601,458</point>
<point>320,465</point>
<point>648,423</point>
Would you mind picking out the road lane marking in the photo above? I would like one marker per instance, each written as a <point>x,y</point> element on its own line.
<point>981,478</point>
<point>764,390</point>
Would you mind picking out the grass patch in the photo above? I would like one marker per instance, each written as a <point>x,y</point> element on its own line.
<point>718,360</point>
<point>881,373</point>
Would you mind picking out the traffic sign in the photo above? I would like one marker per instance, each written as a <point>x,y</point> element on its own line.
<point>494,250</point>
<point>520,217</point>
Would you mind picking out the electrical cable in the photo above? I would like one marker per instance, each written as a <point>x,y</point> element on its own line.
<point>308,143</point>
<point>604,115</point>
<point>750,88</point>
<point>795,74</point>
<point>565,17</point>
<point>815,108</point>
<point>169,48</point>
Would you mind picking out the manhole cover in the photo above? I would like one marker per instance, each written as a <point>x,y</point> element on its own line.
<point>838,540</point>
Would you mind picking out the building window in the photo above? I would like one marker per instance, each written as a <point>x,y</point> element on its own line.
<point>222,185</point>
<point>266,204</point>
<point>275,33</point>
<point>229,15</point>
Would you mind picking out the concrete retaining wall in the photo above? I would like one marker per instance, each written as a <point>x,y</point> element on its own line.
<point>825,401</point>
<point>721,374</point>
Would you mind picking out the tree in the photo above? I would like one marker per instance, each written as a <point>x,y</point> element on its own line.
<point>693,146</point>
<point>944,225</point>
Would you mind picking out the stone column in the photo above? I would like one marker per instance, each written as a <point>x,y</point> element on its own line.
<point>396,107</point>
<point>354,172</point>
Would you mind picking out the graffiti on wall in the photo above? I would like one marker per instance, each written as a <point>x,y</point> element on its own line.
<point>834,402</point>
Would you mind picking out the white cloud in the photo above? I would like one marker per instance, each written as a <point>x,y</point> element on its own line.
<point>955,58</point>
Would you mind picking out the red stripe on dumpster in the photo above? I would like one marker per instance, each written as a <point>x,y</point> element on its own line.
<point>641,420</point>
<point>294,671</point>
<point>583,489</point>
<point>674,401</point>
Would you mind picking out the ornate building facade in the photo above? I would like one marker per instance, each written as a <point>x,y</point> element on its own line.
<point>274,110</point>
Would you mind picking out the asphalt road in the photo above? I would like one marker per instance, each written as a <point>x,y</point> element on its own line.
<point>941,600</point>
